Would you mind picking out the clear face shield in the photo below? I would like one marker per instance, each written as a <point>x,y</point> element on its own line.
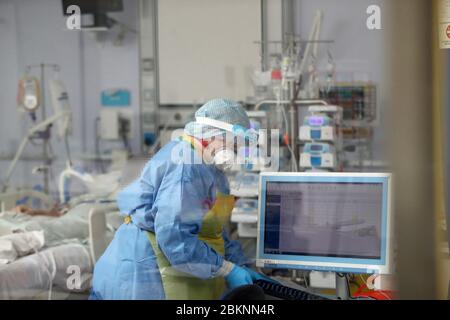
<point>226,147</point>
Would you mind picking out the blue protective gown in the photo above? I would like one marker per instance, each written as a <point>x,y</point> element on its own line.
<point>173,193</point>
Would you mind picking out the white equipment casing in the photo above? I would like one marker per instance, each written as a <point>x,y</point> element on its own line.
<point>327,133</point>
<point>247,230</point>
<point>247,222</point>
<point>336,111</point>
<point>110,123</point>
<point>328,160</point>
<point>323,280</point>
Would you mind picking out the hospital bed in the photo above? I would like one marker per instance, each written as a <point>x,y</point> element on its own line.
<point>73,242</point>
<point>63,268</point>
<point>40,275</point>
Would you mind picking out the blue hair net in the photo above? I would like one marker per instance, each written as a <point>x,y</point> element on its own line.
<point>225,110</point>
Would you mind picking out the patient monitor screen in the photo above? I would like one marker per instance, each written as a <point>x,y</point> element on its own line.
<point>323,219</point>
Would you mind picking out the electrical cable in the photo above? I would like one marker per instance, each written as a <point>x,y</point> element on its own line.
<point>51,275</point>
<point>99,162</point>
<point>292,105</point>
<point>348,285</point>
<point>123,129</point>
<point>288,145</point>
<point>155,145</point>
<point>286,124</point>
<point>362,279</point>
<point>306,281</point>
<point>49,167</point>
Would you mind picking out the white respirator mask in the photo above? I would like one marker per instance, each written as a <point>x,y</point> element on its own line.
<point>224,158</point>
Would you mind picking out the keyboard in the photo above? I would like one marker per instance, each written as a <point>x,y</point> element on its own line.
<point>286,293</point>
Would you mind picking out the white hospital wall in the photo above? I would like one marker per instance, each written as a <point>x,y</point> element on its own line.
<point>109,66</point>
<point>33,31</point>
<point>356,49</point>
<point>8,77</point>
<point>28,39</point>
<point>207,49</point>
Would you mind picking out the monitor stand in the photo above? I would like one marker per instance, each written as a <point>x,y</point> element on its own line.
<point>342,289</point>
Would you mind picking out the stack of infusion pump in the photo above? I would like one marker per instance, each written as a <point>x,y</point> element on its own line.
<point>322,139</point>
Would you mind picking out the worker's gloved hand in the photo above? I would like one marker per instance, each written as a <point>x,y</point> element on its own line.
<point>258,276</point>
<point>238,277</point>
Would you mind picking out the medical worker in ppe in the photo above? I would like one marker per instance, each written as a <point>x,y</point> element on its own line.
<point>172,244</point>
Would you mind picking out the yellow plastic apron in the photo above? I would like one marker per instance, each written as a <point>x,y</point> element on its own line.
<point>182,286</point>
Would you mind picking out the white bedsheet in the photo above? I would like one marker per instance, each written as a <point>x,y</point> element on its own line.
<point>72,227</point>
<point>16,245</point>
<point>66,239</point>
<point>29,276</point>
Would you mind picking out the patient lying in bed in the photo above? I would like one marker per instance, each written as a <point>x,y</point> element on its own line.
<point>56,211</point>
<point>62,243</point>
<point>59,228</point>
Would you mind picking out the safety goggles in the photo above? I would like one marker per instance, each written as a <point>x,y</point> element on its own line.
<point>237,130</point>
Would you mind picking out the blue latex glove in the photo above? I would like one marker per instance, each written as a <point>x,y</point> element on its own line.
<point>238,277</point>
<point>258,276</point>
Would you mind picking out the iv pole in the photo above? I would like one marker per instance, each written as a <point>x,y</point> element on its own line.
<point>42,128</point>
<point>31,132</point>
<point>46,137</point>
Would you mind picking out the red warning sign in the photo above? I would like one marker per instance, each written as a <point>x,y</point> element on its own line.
<point>448,31</point>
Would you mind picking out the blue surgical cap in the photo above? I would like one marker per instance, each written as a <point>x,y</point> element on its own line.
<point>225,110</point>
